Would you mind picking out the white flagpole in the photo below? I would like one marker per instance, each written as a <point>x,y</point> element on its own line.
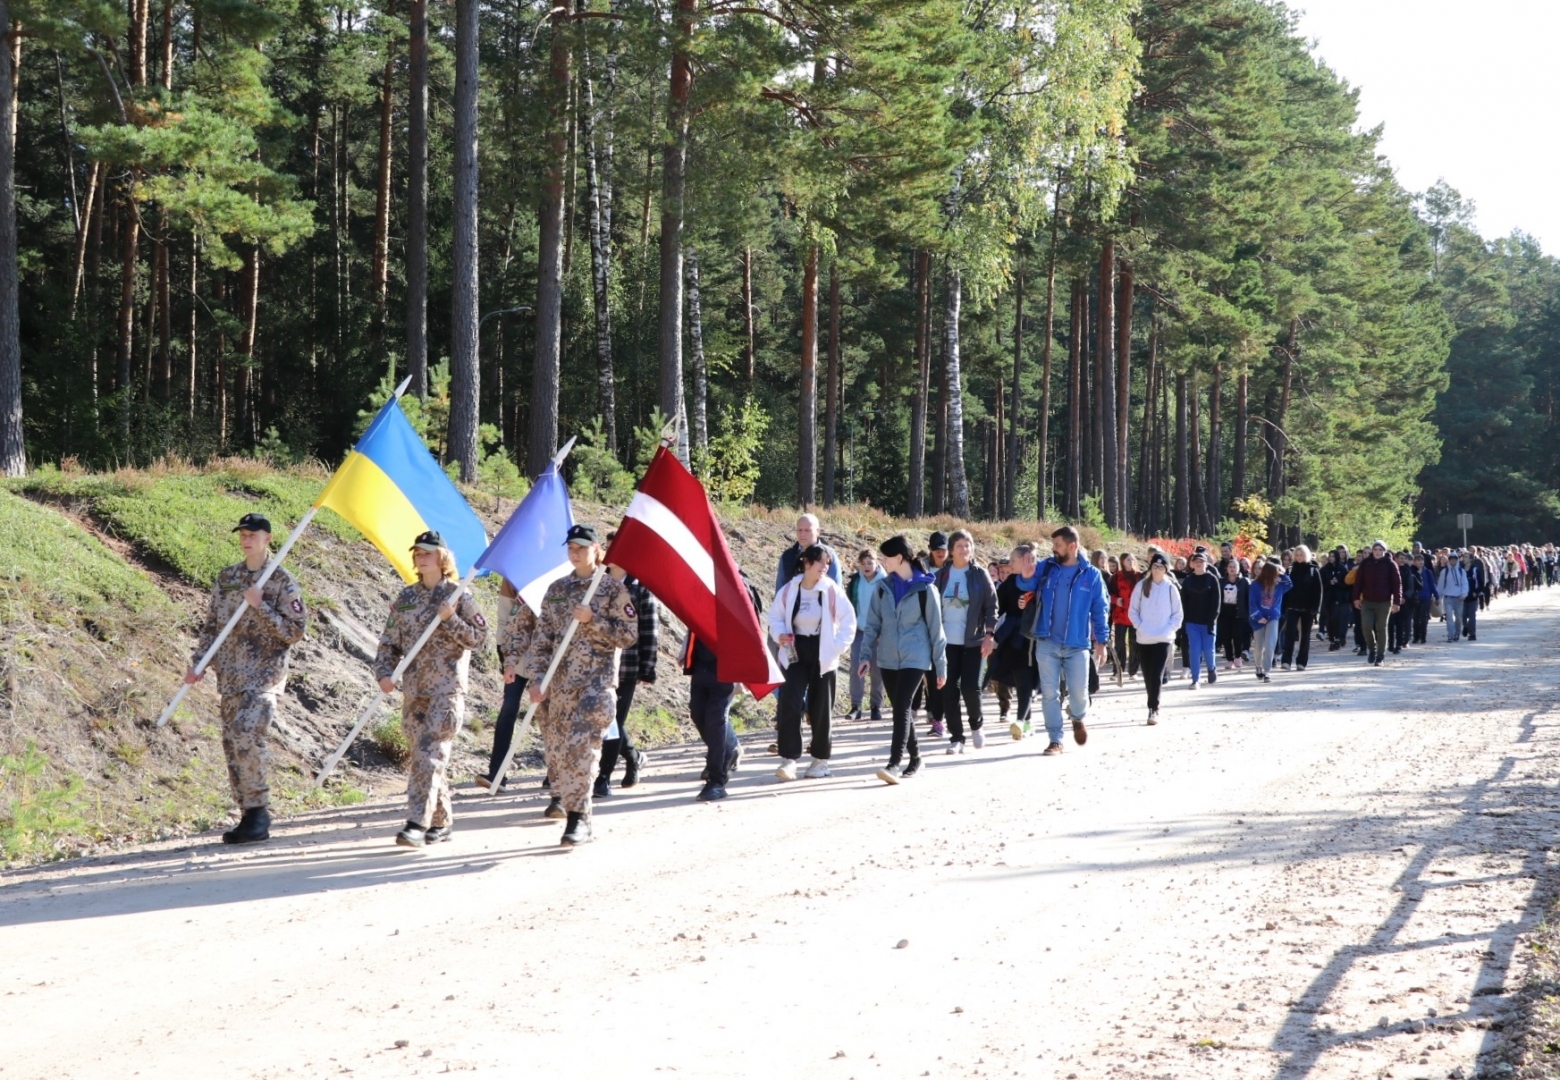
<point>265,576</point>
<point>395,676</point>
<point>563,643</point>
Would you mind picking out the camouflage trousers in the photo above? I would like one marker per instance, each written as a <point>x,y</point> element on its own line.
<point>572,723</point>
<point>430,723</point>
<point>246,742</point>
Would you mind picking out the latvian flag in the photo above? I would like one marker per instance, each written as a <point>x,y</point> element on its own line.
<point>671,541</point>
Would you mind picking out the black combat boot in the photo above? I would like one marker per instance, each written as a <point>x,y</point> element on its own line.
<point>554,808</point>
<point>253,827</point>
<point>414,835</point>
<point>633,761</point>
<point>603,788</point>
<point>578,831</point>
<point>436,834</point>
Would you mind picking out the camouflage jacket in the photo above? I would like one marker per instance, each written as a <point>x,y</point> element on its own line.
<point>254,656</point>
<point>440,668</point>
<point>516,625</point>
<point>592,655</point>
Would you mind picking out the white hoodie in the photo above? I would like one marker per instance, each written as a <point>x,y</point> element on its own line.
<point>836,634</point>
<point>1158,615</point>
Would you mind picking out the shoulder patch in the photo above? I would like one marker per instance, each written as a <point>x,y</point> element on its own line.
<point>297,606</point>
<point>628,609</point>
<point>478,621</point>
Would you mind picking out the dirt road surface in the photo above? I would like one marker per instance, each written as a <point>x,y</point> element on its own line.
<point>1322,877</point>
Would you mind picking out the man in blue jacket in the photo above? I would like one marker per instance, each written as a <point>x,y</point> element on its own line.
<point>1072,615</point>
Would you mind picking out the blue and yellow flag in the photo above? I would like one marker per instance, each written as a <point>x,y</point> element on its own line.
<point>391,489</point>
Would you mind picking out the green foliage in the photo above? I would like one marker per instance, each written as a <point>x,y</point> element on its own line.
<point>35,812</point>
<point>730,469</point>
<point>598,475</point>
<point>388,735</point>
<point>1248,529</point>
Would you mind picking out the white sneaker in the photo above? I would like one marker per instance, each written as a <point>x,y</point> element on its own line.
<point>953,748</point>
<point>787,770</point>
<point>817,770</point>
<point>1153,717</point>
<point>978,737</point>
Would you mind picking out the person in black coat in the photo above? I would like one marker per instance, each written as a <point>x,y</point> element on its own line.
<point>1234,614</point>
<point>1301,604</point>
<point>1012,662</point>
<point>1336,599</point>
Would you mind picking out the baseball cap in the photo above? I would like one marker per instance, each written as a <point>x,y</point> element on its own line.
<point>253,523</point>
<point>581,534</point>
<point>937,541</point>
<point>428,541</point>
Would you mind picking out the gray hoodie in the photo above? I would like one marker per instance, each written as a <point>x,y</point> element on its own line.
<point>898,632</point>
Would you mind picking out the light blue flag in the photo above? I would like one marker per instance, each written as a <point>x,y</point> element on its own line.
<point>530,550</point>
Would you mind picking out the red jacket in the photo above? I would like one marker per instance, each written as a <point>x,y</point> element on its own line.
<point>1122,582</point>
<point>1376,580</point>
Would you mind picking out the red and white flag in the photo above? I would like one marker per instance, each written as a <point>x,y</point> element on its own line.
<point>672,542</point>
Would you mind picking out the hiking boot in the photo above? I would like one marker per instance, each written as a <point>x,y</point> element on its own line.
<point>890,774</point>
<point>877,716</point>
<point>787,770</point>
<point>577,832</point>
<point>711,793</point>
<point>437,834</point>
<point>554,809</point>
<point>818,769</point>
<point>252,827</point>
<point>414,835</point>
<point>1051,750</point>
<point>1080,733</point>
<point>547,783</point>
<point>978,737</point>
<point>1153,717</point>
<point>912,768</point>
<point>631,768</point>
<point>1016,730</point>
<point>602,788</point>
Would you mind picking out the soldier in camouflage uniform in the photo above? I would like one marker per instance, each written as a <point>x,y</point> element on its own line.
<point>251,668</point>
<point>581,701</point>
<point>433,686</point>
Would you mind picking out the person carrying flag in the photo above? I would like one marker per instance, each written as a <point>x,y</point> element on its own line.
<point>251,669</point>
<point>433,686</point>
<point>580,702</point>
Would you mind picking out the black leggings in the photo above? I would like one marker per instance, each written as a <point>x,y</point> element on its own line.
<point>901,685</point>
<point>1153,657</point>
<point>1234,632</point>
<point>809,690</point>
<point>504,726</point>
<point>1126,648</point>
<point>612,748</point>
<point>963,682</point>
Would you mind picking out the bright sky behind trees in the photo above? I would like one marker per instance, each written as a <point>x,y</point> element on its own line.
<point>1466,92</point>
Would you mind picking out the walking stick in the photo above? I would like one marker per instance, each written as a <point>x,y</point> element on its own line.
<point>395,676</point>
<point>525,724</point>
<point>265,576</point>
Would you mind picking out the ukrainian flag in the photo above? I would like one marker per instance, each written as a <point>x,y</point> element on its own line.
<point>391,489</point>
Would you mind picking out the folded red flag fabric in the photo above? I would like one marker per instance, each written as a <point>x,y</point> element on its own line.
<point>672,542</point>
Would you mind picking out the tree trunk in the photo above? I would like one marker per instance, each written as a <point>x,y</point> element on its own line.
<point>1146,435</point>
<point>1126,286</point>
<point>165,68</point>
<point>465,375</point>
<point>959,484</point>
<point>542,439</point>
<point>1078,443</point>
<point>417,201</point>
<point>831,408</point>
<point>1011,463</point>
<point>807,405</point>
<point>163,297</point>
<point>701,389</point>
<point>598,180</point>
<point>1105,384</point>
<point>1215,485</point>
<point>1199,517</point>
<point>1043,491</point>
<point>996,474</point>
<point>381,271</point>
<point>140,12</point>
<point>1276,479</point>
<point>129,255</point>
<point>94,173</point>
<point>1242,421</point>
<point>749,349</point>
<point>194,329</point>
<point>674,170</point>
<point>918,403</point>
<point>13,445</point>
<point>246,412</point>
<point>1183,496</point>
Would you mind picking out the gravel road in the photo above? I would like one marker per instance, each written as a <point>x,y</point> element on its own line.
<point>1321,877</point>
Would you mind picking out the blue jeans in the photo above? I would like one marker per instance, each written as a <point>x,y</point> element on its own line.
<point>1452,608</point>
<point>1056,661</point>
<point>1200,650</point>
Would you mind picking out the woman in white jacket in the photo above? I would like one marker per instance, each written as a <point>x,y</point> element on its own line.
<point>813,621</point>
<point>1155,609</point>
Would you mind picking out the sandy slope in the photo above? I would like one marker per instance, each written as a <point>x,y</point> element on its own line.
<point>1322,877</point>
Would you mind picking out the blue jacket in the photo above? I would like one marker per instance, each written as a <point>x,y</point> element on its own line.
<point>1427,589</point>
<point>903,638</point>
<point>1268,612</point>
<point>1086,618</point>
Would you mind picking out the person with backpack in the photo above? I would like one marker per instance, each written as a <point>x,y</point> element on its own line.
<point>1155,611</point>
<point>904,625</point>
<point>1426,597</point>
<point>1071,614</point>
<point>969,607</point>
<point>1336,597</point>
<point>1452,583</point>
<point>1400,629</point>
<point>1478,594</point>
<point>1013,662</point>
<point>813,622</point>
